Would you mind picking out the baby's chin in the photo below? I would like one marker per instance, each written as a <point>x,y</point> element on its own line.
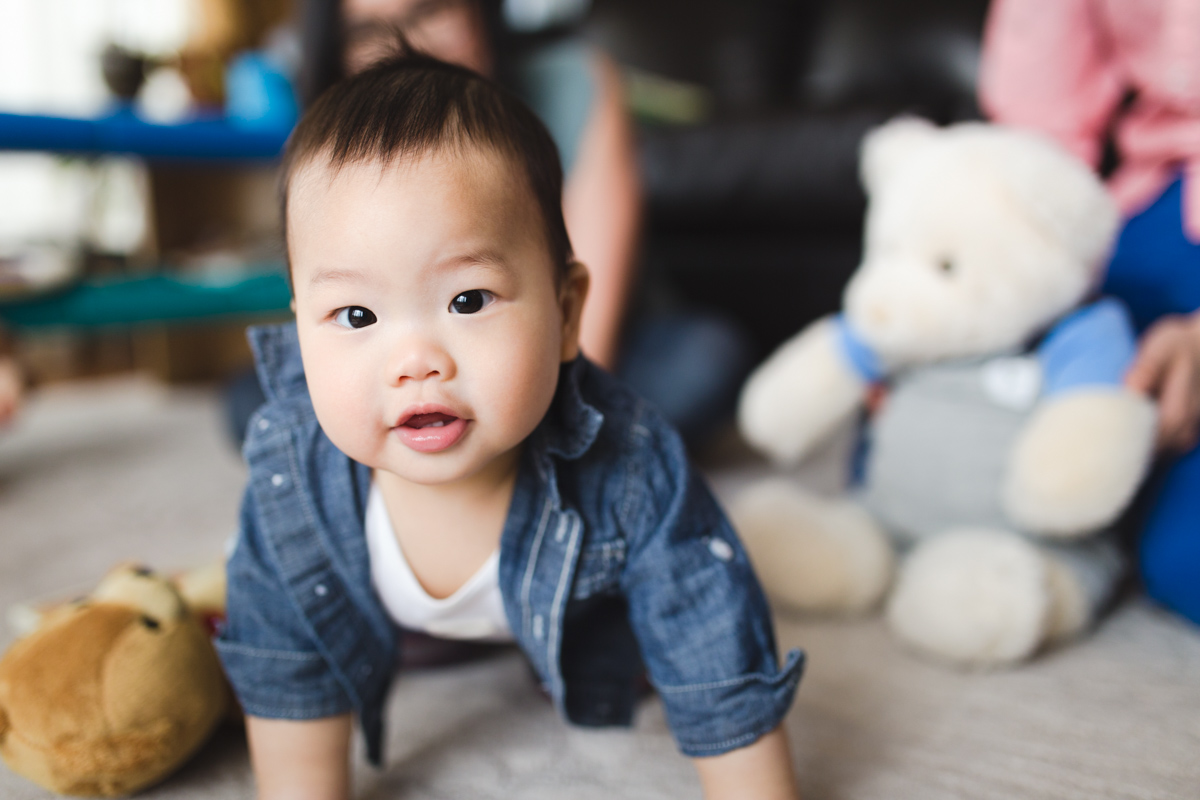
<point>450,467</point>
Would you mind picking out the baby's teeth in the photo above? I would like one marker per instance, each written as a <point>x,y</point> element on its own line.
<point>440,423</point>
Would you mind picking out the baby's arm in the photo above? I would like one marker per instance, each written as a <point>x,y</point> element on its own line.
<point>760,771</point>
<point>298,718</point>
<point>703,626</point>
<point>301,760</point>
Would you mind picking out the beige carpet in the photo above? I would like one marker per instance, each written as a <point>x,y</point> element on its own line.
<point>97,473</point>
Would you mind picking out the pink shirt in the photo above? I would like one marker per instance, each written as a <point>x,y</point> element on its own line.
<point>1064,66</point>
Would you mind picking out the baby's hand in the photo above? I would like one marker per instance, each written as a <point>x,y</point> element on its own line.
<point>1167,368</point>
<point>760,771</point>
<point>301,759</point>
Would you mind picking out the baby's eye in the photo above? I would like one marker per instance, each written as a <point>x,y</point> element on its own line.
<point>471,301</point>
<point>355,317</point>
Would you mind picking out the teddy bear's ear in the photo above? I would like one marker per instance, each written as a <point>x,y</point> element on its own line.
<point>890,145</point>
<point>1061,193</point>
<point>137,587</point>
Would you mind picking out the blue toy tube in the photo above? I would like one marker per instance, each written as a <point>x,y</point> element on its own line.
<point>206,139</point>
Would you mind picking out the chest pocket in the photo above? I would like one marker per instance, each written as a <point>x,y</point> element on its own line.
<point>599,570</point>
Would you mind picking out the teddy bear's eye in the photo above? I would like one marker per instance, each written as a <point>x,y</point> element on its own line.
<point>150,622</point>
<point>946,266</point>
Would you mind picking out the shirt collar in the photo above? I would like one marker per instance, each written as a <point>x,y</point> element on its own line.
<point>568,429</point>
<point>572,424</point>
<point>277,356</point>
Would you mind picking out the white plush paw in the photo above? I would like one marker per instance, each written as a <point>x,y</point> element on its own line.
<point>976,598</point>
<point>811,553</point>
<point>1079,461</point>
<point>799,396</point>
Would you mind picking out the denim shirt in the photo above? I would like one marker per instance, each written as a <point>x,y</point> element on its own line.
<point>614,560</point>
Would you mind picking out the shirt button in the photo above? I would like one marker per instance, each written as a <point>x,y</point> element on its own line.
<point>320,590</point>
<point>721,549</point>
<point>277,480</point>
<point>263,424</point>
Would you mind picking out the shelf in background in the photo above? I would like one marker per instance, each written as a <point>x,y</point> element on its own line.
<point>203,139</point>
<point>256,290</point>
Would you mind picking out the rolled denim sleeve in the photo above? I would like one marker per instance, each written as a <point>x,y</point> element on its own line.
<point>697,610</point>
<point>265,645</point>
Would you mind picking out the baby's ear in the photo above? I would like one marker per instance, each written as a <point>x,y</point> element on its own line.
<point>571,296</point>
<point>1060,194</point>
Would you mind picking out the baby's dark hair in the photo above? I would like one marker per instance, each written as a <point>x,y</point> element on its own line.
<point>411,105</point>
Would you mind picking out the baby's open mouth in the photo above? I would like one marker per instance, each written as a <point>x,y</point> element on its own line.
<point>432,430</point>
<point>434,420</point>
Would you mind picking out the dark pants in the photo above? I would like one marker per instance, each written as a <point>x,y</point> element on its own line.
<point>1156,271</point>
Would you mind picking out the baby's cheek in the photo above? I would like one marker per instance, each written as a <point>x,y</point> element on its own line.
<point>343,409</point>
<point>525,386</point>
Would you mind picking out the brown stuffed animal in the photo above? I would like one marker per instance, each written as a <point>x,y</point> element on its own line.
<point>113,692</point>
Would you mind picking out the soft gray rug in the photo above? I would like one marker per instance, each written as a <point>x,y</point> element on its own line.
<point>100,472</point>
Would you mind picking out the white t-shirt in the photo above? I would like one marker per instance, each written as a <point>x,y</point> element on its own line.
<point>475,611</point>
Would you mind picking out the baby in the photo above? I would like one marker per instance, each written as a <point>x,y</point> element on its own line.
<point>436,454</point>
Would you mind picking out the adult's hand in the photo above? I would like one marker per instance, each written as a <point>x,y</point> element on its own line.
<point>1167,368</point>
<point>11,388</point>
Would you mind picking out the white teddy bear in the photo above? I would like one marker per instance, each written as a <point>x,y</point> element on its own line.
<point>1006,443</point>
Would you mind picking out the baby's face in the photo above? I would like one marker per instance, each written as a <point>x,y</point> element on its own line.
<point>431,322</point>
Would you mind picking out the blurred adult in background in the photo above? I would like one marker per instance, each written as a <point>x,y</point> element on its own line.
<point>1080,71</point>
<point>577,91</point>
<point>688,364</point>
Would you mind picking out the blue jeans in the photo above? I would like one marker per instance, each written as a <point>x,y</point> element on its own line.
<point>1169,546</point>
<point>1156,271</point>
<point>690,365</point>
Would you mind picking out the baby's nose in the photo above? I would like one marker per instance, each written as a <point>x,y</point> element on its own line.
<point>421,360</point>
